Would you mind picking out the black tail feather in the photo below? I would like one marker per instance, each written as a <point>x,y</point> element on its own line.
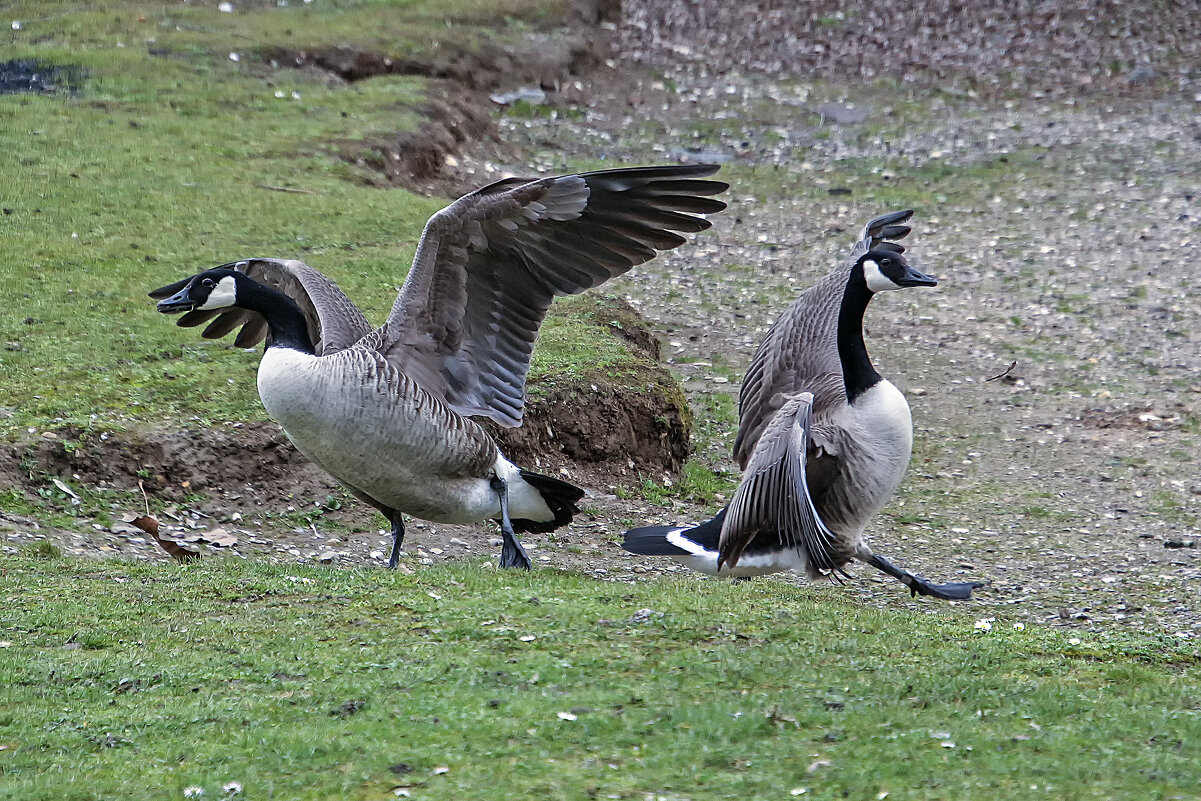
<point>560,496</point>
<point>652,540</point>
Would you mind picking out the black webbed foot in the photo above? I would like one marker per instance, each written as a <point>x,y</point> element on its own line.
<point>511,553</point>
<point>955,591</point>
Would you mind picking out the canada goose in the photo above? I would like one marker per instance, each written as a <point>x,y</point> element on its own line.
<point>387,411</point>
<point>823,438</point>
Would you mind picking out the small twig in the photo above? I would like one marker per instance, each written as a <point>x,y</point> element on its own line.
<point>287,189</point>
<point>1008,370</point>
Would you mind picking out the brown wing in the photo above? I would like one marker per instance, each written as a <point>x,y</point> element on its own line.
<point>775,495</point>
<point>334,322</point>
<point>800,350</point>
<point>488,266</point>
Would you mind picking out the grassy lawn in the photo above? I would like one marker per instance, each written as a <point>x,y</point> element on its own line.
<point>139,681</point>
<point>166,160</point>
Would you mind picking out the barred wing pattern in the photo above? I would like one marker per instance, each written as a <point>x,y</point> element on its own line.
<point>489,265</point>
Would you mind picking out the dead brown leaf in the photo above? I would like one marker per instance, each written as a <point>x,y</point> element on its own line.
<point>148,524</point>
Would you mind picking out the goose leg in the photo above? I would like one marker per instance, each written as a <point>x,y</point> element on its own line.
<point>398,536</point>
<point>919,586</point>
<point>511,553</point>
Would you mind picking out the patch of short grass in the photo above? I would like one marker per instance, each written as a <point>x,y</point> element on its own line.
<point>138,681</point>
<point>168,159</point>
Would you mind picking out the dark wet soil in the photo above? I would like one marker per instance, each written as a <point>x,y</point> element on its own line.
<point>34,77</point>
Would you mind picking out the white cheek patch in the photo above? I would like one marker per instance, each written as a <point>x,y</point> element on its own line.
<point>224,295</point>
<point>876,280</point>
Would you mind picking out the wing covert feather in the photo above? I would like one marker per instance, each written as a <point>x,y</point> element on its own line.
<point>489,265</point>
<point>774,494</point>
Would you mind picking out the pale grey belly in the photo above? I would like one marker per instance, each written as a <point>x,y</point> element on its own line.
<point>388,450</point>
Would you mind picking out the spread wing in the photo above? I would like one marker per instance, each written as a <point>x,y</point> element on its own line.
<point>488,266</point>
<point>801,349</point>
<point>334,322</point>
<point>774,494</point>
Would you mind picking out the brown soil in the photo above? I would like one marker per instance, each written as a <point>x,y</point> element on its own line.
<point>458,109</point>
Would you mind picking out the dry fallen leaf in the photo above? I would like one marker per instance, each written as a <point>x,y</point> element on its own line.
<point>220,537</point>
<point>148,524</point>
<point>70,492</point>
<point>780,719</point>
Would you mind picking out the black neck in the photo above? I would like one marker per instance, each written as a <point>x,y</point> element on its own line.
<point>283,316</point>
<point>858,374</point>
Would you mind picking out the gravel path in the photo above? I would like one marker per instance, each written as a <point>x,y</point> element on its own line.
<point>1063,238</point>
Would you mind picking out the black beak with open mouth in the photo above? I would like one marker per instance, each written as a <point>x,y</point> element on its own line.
<point>915,277</point>
<point>175,298</point>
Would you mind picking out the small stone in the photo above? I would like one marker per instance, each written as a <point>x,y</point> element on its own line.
<point>325,557</point>
<point>1142,74</point>
<point>843,114</point>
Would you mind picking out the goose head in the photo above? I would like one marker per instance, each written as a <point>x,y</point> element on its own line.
<point>882,270</point>
<point>211,289</point>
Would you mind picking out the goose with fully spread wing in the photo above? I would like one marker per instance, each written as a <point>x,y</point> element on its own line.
<point>387,411</point>
<point>823,438</point>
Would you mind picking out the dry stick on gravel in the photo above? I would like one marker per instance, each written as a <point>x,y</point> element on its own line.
<point>1008,370</point>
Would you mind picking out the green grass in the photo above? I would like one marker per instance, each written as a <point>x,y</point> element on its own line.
<point>161,164</point>
<point>138,681</point>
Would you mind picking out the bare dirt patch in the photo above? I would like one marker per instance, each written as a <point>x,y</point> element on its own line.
<point>458,110</point>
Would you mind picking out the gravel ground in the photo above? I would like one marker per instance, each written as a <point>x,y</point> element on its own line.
<point>1060,214</point>
<point>1072,484</point>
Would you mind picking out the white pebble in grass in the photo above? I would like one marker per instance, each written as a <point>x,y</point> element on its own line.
<point>527,638</point>
<point>234,57</point>
<point>568,716</point>
<point>226,8</point>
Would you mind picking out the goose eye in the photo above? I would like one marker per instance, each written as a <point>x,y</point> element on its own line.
<point>885,262</point>
<point>208,283</point>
